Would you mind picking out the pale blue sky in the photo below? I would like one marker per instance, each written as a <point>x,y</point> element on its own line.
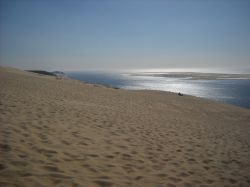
<point>79,35</point>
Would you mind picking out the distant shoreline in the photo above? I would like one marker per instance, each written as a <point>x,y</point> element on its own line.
<point>194,75</point>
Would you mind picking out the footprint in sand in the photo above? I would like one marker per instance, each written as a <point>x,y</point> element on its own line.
<point>174,179</point>
<point>52,168</point>
<point>2,167</point>
<point>5,147</point>
<point>103,183</point>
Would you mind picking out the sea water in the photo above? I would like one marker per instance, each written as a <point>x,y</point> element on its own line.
<point>232,91</point>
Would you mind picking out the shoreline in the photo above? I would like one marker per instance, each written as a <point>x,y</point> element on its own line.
<point>202,88</point>
<point>195,75</point>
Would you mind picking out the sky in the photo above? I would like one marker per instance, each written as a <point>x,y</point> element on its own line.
<point>124,34</point>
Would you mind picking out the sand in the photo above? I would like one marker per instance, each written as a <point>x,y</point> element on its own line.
<point>67,133</point>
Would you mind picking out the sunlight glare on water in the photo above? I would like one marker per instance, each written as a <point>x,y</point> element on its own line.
<point>235,92</point>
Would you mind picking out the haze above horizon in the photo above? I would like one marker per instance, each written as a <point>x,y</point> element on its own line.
<point>115,34</point>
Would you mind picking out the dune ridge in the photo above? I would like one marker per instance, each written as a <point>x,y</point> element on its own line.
<point>67,133</point>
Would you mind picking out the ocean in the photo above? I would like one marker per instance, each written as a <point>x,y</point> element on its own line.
<point>231,91</point>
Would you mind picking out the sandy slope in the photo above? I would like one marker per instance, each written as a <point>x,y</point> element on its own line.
<point>66,133</point>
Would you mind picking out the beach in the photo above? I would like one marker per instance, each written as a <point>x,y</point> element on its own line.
<point>62,132</point>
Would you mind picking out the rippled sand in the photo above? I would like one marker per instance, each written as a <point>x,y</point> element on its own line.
<point>66,133</point>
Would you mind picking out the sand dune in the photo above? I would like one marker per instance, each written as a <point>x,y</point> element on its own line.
<point>67,133</point>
